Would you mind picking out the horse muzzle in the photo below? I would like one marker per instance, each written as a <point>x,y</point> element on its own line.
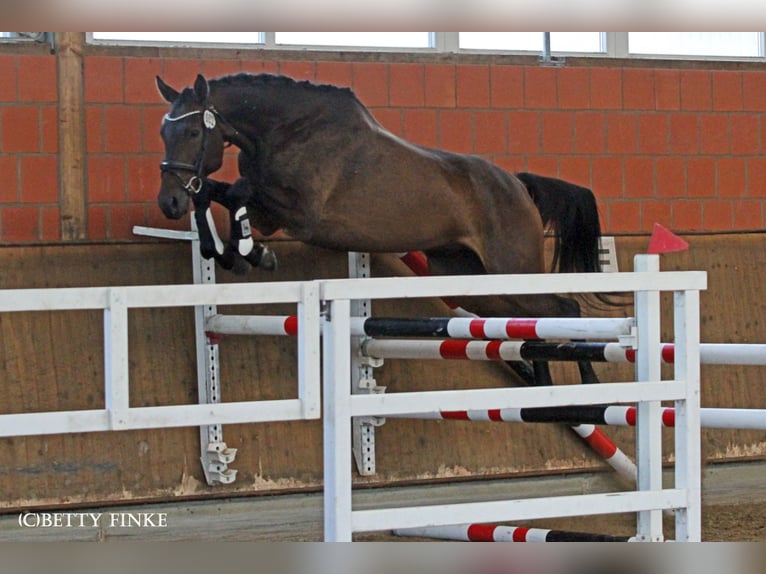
<point>173,203</point>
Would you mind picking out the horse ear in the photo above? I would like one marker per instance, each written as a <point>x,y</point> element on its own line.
<point>201,88</point>
<point>166,91</point>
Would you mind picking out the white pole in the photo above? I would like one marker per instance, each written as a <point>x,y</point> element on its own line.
<point>337,421</point>
<point>648,427</point>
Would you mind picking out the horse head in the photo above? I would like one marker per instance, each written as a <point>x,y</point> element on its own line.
<point>194,145</point>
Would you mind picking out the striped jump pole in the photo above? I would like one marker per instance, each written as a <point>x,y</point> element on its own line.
<point>499,533</point>
<point>612,415</point>
<point>710,353</point>
<point>454,327</point>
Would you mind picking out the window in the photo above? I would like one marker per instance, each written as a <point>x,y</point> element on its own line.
<point>533,41</point>
<point>723,44</point>
<point>183,37</point>
<point>365,39</point>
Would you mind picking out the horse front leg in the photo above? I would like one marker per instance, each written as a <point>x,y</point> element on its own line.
<point>241,252</point>
<point>240,233</point>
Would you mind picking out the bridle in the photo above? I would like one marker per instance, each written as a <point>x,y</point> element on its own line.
<point>194,184</point>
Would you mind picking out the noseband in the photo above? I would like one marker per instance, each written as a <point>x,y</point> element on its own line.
<point>194,185</point>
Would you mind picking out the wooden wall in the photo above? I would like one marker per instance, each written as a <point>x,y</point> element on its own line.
<point>54,361</point>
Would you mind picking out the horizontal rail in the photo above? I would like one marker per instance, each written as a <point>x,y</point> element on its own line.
<point>710,353</point>
<point>525,509</point>
<point>531,284</point>
<point>482,399</point>
<point>613,415</point>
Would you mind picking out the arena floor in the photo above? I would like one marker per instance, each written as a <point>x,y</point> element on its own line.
<point>734,510</point>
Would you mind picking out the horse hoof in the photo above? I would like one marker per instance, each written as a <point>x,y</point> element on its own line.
<point>268,260</point>
<point>240,266</point>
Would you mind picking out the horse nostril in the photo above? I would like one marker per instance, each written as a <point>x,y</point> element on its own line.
<point>174,205</point>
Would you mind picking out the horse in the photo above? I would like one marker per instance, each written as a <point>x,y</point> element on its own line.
<point>316,164</point>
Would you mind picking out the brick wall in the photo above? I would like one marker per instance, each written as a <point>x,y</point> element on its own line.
<point>678,144</point>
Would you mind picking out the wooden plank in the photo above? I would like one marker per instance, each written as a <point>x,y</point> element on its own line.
<point>69,47</point>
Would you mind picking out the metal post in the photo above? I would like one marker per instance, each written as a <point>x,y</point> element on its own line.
<point>215,456</point>
<point>336,366</point>
<point>649,421</point>
<point>362,379</point>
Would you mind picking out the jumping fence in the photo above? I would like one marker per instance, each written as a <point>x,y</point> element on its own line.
<point>325,307</point>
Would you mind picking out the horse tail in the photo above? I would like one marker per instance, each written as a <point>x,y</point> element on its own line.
<point>571,212</point>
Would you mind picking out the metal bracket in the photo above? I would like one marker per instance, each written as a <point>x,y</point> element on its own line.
<point>362,381</point>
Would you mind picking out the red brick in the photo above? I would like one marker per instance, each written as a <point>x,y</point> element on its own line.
<point>440,86</point>
<point>9,174</point>
<point>49,126</point>
<point>420,127</point>
<point>624,216</point>
<point>745,134</point>
<point>8,87</point>
<point>606,176</point>
<point>51,223</point>
<point>152,121</point>
<point>732,181</point>
<point>748,215</point>
<point>717,215</point>
<point>687,215</point>
<point>575,169</point>
<point>37,79</point>
<point>543,165</point>
<point>653,133</point>
<point>122,128</point>
<point>472,86</point>
<point>524,132</point>
<point>756,177</point>
<point>727,91</point>
<point>507,87</point>
<point>605,88</point>
<point>334,73</point>
<point>141,80</point>
<point>754,91</point>
<point>696,91</point>
<point>39,179</point>
<point>573,88</point>
<point>489,130</point>
<point>558,132</point>
<point>700,177</point>
<point>684,134</point>
<point>510,163</point>
<point>94,129</point>
<point>155,218</point>
<point>667,89</point>
<point>621,133</point>
<point>639,176</point>
<point>390,119</point>
<point>590,132</point>
<point>104,81</point>
<point>143,178</point>
<point>20,129</point>
<point>714,134</point>
<point>97,223</point>
<point>106,178</point>
<point>540,88</point>
<point>181,73</point>
<point>455,131</point>
<point>20,224</point>
<point>671,177</point>
<point>122,218</point>
<point>406,85</point>
<point>371,83</point>
<point>218,68</point>
<point>229,171</point>
<point>298,70</point>
<point>638,89</point>
<point>653,211</point>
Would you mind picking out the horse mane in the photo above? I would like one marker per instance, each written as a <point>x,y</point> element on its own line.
<point>246,80</point>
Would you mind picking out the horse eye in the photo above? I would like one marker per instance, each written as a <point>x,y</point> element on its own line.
<point>194,133</point>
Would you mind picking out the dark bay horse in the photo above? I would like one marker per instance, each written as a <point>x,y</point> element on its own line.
<point>315,163</point>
